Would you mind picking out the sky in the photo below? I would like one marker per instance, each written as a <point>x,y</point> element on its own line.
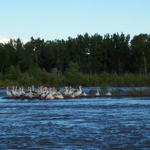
<point>59,19</point>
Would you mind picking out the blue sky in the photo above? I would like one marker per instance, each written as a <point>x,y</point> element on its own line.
<point>57,19</point>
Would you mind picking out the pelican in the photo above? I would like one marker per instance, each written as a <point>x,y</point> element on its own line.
<point>49,96</point>
<point>59,95</point>
<point>72,95</point>
<point>45,92</point>
<point>14,92</point>
<point>84,94</point>
<point>66,91</point>
<point>78,92</point>
<point>22,92</point>
<point>30,95</point>
<point>43,95</point>
<point>97,93</point>
<point>8,92</point>
<point>108,94</point>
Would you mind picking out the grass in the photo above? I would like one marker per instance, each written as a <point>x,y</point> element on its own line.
<point>75,79</point>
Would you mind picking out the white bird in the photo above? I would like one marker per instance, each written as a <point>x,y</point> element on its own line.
<point>108,94</point>
<point>78,92</point>
<point>19,92</point>
<point>66,91</point>
<point>30,94</point>
<point>72,95</point>
<point>8,92</point>
<point>43,95</point>
<point>49,97</point>
<point>22,91</point>
<point>59,95</point>
<point>14,92</point>
<point>97,93</point>
<point>84,94</point>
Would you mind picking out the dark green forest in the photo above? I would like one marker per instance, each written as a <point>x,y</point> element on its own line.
<point>88,60</point>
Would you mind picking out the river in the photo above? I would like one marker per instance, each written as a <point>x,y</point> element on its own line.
<point>101,124</point>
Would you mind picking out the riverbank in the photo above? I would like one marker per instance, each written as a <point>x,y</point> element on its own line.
<point>74,79</point>
<point>82,97</point>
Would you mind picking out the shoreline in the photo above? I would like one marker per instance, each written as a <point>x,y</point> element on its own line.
<point>98,86</point>
<point>79,97</point>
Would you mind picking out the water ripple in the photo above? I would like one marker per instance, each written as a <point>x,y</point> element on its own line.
<point>105,124</point>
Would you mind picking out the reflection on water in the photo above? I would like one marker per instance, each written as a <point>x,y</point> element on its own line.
<point>75,124</point>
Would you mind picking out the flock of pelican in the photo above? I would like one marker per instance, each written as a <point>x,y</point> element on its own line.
<point>46,93</point>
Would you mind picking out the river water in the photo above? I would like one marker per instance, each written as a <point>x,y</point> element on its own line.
<point>102,124</point>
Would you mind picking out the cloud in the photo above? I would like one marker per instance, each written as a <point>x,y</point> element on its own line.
<point>4,40</point>
<point>26,41</point>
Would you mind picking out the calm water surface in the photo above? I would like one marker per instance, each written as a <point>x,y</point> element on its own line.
<point>105,124</point>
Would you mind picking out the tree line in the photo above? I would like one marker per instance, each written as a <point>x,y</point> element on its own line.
<point>86,54</point>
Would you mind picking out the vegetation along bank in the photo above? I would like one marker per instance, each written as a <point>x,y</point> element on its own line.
<point>88,60</point>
